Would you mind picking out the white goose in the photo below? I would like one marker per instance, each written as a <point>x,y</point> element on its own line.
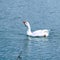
<point>38,33</point>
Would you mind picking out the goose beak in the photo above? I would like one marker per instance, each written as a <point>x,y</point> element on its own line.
<point>24,22</point>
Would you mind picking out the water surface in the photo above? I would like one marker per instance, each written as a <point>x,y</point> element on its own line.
<point>42,14</point>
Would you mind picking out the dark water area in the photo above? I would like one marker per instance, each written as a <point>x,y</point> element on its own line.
<point>42,14</point>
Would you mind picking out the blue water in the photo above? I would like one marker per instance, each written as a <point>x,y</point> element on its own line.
<point>42,14</point>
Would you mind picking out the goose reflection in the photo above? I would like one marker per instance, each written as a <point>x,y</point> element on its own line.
<point>32,46</point>
<point>37,38</point>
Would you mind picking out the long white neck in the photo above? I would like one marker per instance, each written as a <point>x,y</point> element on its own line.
<point>29,30</point>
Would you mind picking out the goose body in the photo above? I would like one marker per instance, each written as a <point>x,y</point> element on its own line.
<point>38,33</point>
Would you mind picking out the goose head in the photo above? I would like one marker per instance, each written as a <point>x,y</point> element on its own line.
<point>26,23</point>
